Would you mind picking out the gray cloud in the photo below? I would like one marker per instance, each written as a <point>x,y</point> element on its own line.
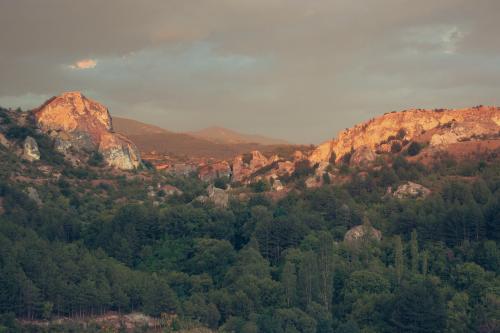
<point>301,70</point>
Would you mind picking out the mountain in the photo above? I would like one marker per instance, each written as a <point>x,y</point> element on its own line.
<point>134,127</point>
<point>77,123</point>
<point>223,135</point>
<point>456,131</point>
<point>151,138</point>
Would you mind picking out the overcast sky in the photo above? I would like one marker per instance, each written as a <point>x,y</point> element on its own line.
<point>295,69</point>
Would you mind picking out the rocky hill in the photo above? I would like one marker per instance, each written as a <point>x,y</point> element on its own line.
<point>437,129</point>
<point>78,125</point>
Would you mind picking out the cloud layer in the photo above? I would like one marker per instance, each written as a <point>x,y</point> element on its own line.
<point>300,70</point>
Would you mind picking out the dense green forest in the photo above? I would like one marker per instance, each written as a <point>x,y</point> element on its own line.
<point>260,265</point>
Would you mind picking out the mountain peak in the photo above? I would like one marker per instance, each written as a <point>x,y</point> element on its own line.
<point>82,124</point>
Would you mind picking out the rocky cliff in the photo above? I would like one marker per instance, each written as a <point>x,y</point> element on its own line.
<point>393,130</point>
<point>78,124</point>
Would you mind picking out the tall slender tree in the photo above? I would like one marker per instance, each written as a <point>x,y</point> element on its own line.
<point>398,258</point>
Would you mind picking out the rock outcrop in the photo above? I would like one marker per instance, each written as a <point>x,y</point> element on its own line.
<point>212,171</point>
<point>78,124</point>
<point>245,165</point>
<point>217,196</point>
<point>30,149</point>
<point>3,141</point>
<point>437,127</point>
<point>362,232</point>
<point>33,195</point>
<point>411,190</point>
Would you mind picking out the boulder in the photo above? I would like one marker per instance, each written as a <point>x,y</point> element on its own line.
<point>219,197</point>
<point>30,149</point>
<point>362,232</point>
<point>33,195</point>
<point>277,186</point>
<point>411,190</point>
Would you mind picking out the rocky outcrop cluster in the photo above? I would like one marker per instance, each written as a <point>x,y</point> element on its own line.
<point>78,124</point>
<point>246,165</point>
<point>390,132</point>
<point>211,171</point>
<point>410,190</point>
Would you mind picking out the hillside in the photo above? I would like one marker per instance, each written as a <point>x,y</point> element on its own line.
<point>223,135</point>
<point>389,246</point>
<point>149,138</point>
<point>435,129</point>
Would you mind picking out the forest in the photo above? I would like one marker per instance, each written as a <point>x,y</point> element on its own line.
<point>260,265</point>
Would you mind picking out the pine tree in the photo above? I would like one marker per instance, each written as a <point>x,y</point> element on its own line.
<point>289,280</point>
<point>307,278</point>
<point>425,263</point>
<point>414,252</point>
<point>325,268</point>
<point>398,258</point>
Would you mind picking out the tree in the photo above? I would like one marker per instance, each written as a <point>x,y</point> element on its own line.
<point>308,278</point>
<point>419,308</point>
<point>158,297</point>
<point>289,281</point>
<point>414,252</point>
<point>459,316</point>
<point>398,258</point>
<point>414,148</point>
<point>425,263</point>
<point>325,268</point>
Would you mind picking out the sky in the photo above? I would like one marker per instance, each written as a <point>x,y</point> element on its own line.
<point>300,70</point>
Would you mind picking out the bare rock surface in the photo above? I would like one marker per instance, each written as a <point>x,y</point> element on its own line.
<point>78,123</point>
<point>411,190</point>
<point>362,232</point>
<point>448,126</point>
<point>30,149</point>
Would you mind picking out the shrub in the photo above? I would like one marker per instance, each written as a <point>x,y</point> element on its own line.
<point>19,132</point>
<point>396,147</point>
<point>414,148</point>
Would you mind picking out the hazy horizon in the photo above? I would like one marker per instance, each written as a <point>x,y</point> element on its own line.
<point>293,70</point>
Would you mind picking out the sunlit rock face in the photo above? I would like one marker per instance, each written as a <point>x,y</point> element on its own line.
<point>447,126</point>
<point>79,124</point>
<point>245,165</point>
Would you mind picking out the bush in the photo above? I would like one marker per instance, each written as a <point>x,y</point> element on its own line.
<point>260,186</point>
<point>96,159</point>
<point>19,132</point>
<point>414,148</point>
<point>396,147</point>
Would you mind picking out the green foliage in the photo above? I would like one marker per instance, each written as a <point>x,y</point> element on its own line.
<point>19,132</point>
<point>257,266</point>
<point>96,159</point>
<point>419,307</point>
<point>260,186</point>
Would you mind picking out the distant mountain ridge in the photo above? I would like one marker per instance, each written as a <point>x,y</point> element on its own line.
<point>150,138</point>
<point>223,135</point>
